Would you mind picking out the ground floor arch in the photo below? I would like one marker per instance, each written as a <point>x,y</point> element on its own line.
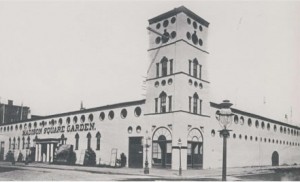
<point>275,158</point>
<point>162,148</point>
<point>195,149</point>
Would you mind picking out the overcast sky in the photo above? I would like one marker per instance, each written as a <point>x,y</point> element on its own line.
<point>55,54</point>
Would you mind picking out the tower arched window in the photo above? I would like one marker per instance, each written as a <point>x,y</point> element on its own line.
<point>164,66</point>
<point>14,143</point>
<point>163,98</point>
<point>98,137</point>
<point>195,68</point>
<point>9,144</point>
<point>89,140</point>
<point>195,103</point>
<point>18,143</point>
<point>76,141</point>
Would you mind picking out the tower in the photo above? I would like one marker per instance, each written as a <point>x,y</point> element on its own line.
<point>177,98</point>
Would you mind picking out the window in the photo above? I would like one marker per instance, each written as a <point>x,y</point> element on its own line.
<point>249,122</point>
<point>163,97</point>
<point>91,117</point>
<point>76,141</point>
<point>275,128</point>
<point>137,111</point>
<point>28,142</point>
<point>268,126</point>
<point>123,113</point>
<point>190,104</point>
<point>256,124</point>
<point>236,119</point>
<point>111,115</point>
<point>195,65</point>
<point>156,103</point>
<point>190,67</point>
<point>23,141</point>
<point>195,103</point>
<point>18,143</point>
<point>98,136</point>
<point>157,69</point>
<point>102,116</point>
<point>170,103</point>
<point>213,133</point>
<point>171,66</point>
<point>75,119</point>
<point>242,120</point>
<point>164,64</point>
<point>9,144</point>
<point>14,144</point>
<point>82,118</point>
<point>200,71</point>
<point>88,136</point>
<point>200,107</point>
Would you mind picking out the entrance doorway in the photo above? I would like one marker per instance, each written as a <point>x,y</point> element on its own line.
<point>195,149</point>
<point>275,158</point>
<point>2,151</point>
<point>135,158</point>
<point>162,148</point>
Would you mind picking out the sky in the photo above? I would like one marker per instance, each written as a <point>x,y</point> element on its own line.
<point>53,55</point>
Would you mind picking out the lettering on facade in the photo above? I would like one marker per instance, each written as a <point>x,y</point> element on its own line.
<point>61,129</point>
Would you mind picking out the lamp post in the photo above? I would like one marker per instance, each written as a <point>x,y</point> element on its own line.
<point>179,145</point>
<point>146,169</point>
<point>225,119</point>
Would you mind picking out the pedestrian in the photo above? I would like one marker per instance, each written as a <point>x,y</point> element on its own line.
<point>123,160</point>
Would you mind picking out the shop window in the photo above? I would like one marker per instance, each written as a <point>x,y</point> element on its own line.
<point>123,113</point>
<point>76,141</point>
<point>98,137</point>
<point>88,136</point>
<point>137,111</point>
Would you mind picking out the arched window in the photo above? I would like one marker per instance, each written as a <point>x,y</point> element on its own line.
<point>89,140</point>
<point>14,143</point>
<point>98,136</point>
<point>195,66</point>
<point>9,144</point>
<point>164,66</point>
<point>23,141</point>
<point>19,143</point>
<point>195,103</point>
<point>28,142</point>
<point>76,141</point>
<point>163,98</point>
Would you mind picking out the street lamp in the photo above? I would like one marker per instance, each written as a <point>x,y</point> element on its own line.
<point>179,145</point>
<point>146,169</point>
<point>225,119</point>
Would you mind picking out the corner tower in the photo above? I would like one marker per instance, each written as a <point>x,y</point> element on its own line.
<point>177,97</point>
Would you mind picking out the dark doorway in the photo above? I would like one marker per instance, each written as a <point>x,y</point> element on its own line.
<point>2,151</point>
<point>195,154</point>
<point>135,152</point>
<point>275,159</point>
<point>161,152</point>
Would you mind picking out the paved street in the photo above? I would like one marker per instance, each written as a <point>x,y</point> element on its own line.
<point>46,172</point>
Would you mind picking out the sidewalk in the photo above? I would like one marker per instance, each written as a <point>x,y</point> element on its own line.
<point>232,173</point>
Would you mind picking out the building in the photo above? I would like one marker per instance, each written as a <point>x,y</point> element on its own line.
<point>177,107</point>
<point>10,113</point>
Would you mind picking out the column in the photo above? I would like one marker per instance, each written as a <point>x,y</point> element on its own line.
<point>40,153</point>
<point>51,152</point>
<point>36,152</point>
<point>48,152</point>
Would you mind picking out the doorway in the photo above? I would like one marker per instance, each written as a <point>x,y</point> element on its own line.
<point>275,158</point>
<point>135,158</point>
<point>2,151</point>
